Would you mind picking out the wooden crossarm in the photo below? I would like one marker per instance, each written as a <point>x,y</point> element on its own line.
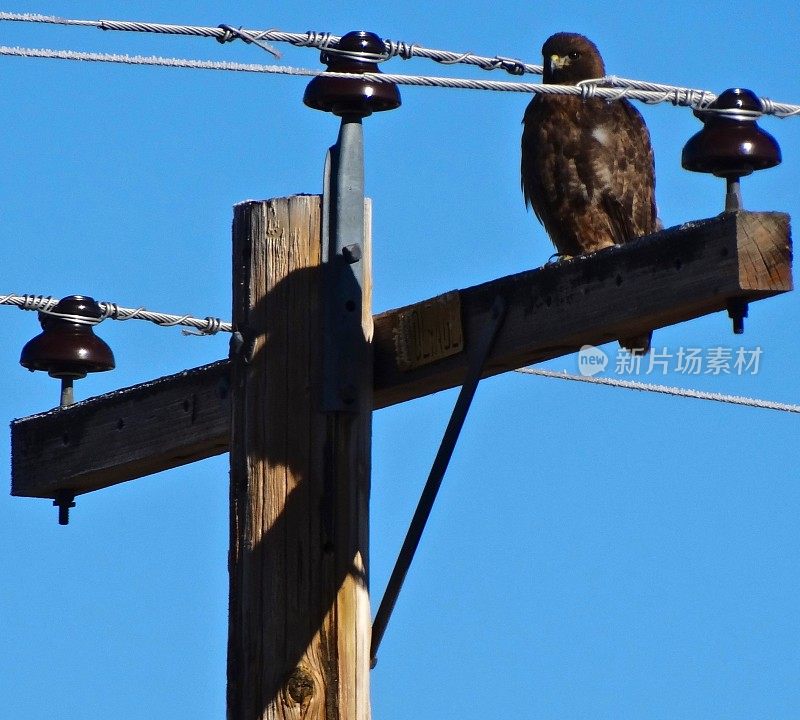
<point>666,278</point>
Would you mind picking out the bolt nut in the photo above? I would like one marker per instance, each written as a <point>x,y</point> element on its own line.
<point>352,253</point>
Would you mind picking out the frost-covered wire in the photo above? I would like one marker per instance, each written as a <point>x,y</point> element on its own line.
<point>677,95</point>
<point>685,97</point>
<point>46,303</point>
<point>326,41</point>
<point>665,390</point>
<point>312,39</point>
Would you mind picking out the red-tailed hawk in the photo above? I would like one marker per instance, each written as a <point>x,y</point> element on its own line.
<point>587,165</point>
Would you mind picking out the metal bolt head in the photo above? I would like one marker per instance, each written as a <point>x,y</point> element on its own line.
<point>352,253</point>
<point>737,312</point>
<point>64,500</point>
<point>356,52</point>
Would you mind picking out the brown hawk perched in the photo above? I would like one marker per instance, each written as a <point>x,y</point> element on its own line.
<point>587,164</point>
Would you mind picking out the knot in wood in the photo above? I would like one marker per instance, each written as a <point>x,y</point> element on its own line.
<point>300,686</point>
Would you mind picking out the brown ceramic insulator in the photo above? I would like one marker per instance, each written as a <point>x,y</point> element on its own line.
<point>357,52</point>
<point>66,347</point>
<point>731,145</point>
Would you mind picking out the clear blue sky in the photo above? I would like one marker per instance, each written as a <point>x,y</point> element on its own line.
<point>594,553</point>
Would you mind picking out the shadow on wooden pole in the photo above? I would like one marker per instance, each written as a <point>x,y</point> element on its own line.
<point>299,623</point>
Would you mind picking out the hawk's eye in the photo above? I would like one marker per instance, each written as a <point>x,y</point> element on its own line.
<point>574,55</point>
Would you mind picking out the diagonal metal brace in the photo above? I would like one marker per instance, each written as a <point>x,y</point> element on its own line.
<point>431,489</point>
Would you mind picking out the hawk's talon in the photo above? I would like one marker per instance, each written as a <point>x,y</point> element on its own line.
<point>556,258</point>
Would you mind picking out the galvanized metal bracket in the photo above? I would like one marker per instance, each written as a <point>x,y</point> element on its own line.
<point>344,346</point>
<point>477,361</point>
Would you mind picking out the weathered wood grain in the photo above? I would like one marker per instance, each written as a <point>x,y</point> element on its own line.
<point>125,434</point>
<point>299,618</point>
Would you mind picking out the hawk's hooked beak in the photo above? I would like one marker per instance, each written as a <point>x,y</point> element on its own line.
<point>557,62</point>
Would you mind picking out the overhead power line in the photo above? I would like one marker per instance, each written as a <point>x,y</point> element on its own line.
<point>45,304</point>
<point>665,390</point>
<point>606,87</point>
<point>684,97</point>
<point>318,40</point>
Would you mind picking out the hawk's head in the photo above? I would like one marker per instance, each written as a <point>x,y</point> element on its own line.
<point>570,58</point>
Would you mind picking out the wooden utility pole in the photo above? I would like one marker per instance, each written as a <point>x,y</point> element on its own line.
<point>293,404</point>
<point>299,624</point>
<point>299,631</point>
